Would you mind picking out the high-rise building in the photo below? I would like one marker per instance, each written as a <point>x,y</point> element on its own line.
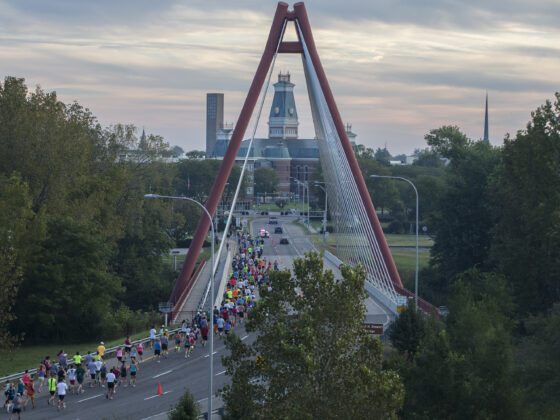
<point>214,120</point>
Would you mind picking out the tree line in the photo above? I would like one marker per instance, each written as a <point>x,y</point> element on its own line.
<point>80,248</point>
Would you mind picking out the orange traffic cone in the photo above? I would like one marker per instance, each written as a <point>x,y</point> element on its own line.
<point>159,388</point>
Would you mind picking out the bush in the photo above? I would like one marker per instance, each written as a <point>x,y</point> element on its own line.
<point>186,408</point>
<point>395,227</point>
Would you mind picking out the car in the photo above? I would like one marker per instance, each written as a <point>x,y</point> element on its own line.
<point>264,233</point>
<point>278,229</point>
<point>284,240</point>
<point>273,220</point>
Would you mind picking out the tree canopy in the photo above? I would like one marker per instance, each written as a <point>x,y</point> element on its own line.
<point>312,357</point>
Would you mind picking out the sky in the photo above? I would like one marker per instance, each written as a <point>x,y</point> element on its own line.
<point>397,68</point>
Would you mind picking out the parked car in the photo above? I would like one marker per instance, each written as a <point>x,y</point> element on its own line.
<point>273,220</point>
<point>284,240</point>
<point>278,229</point>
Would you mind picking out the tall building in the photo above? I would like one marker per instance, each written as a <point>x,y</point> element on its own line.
<point>283,119</point>
<point>291,157</point>
<point>486,139</point>
<point>214,120</point>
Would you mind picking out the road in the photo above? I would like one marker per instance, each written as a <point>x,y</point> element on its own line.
<point>176,374</point>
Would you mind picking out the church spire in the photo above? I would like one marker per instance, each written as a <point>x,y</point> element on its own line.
<point>486,139</point>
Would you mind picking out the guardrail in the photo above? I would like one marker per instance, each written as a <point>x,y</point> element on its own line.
<point>187,290</point>
<point>109,351</point>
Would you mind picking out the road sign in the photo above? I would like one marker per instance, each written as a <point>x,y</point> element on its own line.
<point>375,329</point>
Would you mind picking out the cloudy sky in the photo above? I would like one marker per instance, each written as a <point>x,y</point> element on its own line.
<point>397,68</point>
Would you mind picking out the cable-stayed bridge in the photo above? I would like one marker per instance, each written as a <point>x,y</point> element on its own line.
<point>355,221</point>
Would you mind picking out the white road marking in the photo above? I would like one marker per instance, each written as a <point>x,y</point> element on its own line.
<point>155,415</point>
<point>219,373</point>
<point>153,396</point>
<point>91,398</point>
<point>204,399</point>
<point>161,374</point>
<point>243,338</point>
<point>212,353</point>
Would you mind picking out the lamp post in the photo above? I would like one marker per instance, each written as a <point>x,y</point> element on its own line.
<point>416,268</point>
<point>317,184</point>
<point>211,321</point>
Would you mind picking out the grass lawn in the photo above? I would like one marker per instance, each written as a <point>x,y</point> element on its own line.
<point>168,259</point>
<point>392,240</point>
<point>405,260</point>
<point>408,240</point>
<point>29,356</point>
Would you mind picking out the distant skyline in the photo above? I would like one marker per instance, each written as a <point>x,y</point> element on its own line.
<point>397,69</point>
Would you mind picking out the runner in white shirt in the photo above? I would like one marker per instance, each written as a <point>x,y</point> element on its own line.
<point>110,385</point>
<point>61,387</point>
<point>72,377</point>
<point>152,337</point>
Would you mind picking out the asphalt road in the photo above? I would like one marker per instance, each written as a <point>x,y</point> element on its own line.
<point>175,374</point>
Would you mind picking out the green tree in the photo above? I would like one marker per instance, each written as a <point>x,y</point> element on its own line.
<point>15,219</point>
<point>408,331</point>
<point>186,409</point>
<point>537,364</point>
<point>466,371</point>
<point>526,192</point>
<point>266,180</point>
<point>311,358</point>
<point>462,223</point>
<point>429,159</point>
<point>67,291</point>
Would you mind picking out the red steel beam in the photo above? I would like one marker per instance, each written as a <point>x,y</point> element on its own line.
<point>231,153</point>
<point>291,47</point>
<point>303,22</point>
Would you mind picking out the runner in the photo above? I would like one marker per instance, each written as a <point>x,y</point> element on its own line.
<point>157,350</point>
<point>92,372</point>
<point>101,349</point>
<point>123,374</point>
<point>204,333</point>
<point>187,347</point>
<point>18,402</point>
<point>103,374</point>
<point>72,378</point>
<point>80,373</point>
<point>30,394</point>
<point>10,394</point>
<point>127,346</point>
<point>140,351</point>
<point>77,358</point>
<point>177,342</point>
<point>110,384</point>
<point>183,329</point>
<point>52,389</point>
<point>119,354</point>
<point>41,373</point>
<point>133,370</point>
<point>152,337</point>
<point>164,345</point>
<point>98,364</point>
<point>133,352</point>
<point>61,388</point>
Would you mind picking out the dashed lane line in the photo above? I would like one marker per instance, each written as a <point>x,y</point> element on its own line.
<point>220,373</point>
<point>243,338</point>
<point>90,398</point>
<point>163,373</point>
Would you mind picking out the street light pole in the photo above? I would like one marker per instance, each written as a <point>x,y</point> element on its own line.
<point>317,184</point>
<point>211,321</point>
<point>416,269</point>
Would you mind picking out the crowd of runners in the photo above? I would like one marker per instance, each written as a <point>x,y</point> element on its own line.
<point>73,374</point>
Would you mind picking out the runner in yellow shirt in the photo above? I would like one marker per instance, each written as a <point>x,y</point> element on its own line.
<point>101,349</point>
